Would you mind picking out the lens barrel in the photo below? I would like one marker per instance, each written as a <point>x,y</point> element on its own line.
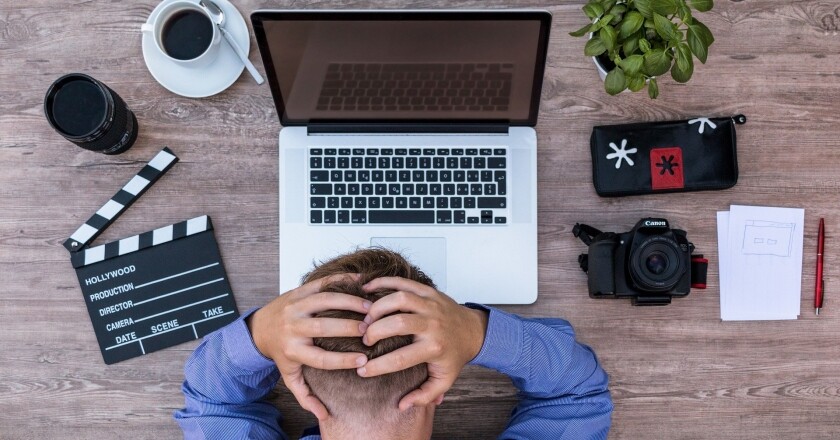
<point>89,114</point>
<point>657,265</point>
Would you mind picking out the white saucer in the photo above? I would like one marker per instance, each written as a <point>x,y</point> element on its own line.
<point>203,81</point>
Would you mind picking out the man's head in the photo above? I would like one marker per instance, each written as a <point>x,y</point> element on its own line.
<point>355,402</point>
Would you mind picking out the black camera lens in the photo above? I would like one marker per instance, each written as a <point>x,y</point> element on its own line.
<point>89,114</point>
<point>656,264</point>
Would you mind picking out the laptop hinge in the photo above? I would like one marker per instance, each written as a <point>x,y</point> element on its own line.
<point>412,128</point>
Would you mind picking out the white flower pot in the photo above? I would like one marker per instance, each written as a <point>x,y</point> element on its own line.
<point>601,71</point>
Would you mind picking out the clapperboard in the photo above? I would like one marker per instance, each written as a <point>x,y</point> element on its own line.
<point>156,289</point>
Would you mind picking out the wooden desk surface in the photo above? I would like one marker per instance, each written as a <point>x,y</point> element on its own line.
<point>676,371</point>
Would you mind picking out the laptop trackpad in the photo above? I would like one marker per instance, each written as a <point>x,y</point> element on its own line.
<point>428,254</point>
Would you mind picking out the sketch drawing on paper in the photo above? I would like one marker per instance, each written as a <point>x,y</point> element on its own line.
<point>767,238</point>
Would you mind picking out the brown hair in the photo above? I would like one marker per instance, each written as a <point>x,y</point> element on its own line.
<point>346,395</point>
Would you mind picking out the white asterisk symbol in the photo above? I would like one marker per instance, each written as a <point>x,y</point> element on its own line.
<point>703,122</point>
<point>621,154</point>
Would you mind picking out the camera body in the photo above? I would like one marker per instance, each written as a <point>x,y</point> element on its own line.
<point>649,264</point>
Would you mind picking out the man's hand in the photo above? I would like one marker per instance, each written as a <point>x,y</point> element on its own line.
<point>446,336</point>
<point>283,332</point>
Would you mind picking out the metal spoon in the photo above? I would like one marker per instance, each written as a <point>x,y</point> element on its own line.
<point>218,16</point>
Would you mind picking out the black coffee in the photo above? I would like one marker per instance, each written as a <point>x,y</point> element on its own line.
<point>79,107</point>
<point>187,34</point>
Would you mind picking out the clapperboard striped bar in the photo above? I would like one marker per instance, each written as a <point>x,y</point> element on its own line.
<point>129,193</point>
<point>140,242</point>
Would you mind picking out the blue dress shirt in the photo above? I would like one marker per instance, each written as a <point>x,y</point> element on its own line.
<point>562,388</point>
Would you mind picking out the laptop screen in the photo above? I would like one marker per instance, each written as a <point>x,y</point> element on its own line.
<point>398,66</point>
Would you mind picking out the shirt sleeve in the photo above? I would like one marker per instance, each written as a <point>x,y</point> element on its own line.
<point>226,382</point>
<point>562,388</point>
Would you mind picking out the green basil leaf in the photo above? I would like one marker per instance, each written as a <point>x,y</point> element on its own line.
<point>631,23</point>
<point>698,48</point>
<point>632,64</point>
<point>657,62</point>
<point>664,7</point>
<point>702,5</point>
<point>618,10</point>
<point>664,27</point>
<point>653,88</point>
<point>608,37</point>
<point>683,56</point>
<point>630,45</point>
<point>644,45</point>
<point>684,11</point>
<point>615,82</point>
<point>601,23</point>
<point>593,10</point>
<point>608,4</point>
<point>644,7</point>
<point>702,31</point>
<point>581,32</point>
<point>681,75</point>
<point>636,83</point>
<point>594,47</point>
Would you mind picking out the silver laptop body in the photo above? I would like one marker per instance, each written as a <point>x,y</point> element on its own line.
<point>410,130</point>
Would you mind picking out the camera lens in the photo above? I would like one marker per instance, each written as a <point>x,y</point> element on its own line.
<point>657,264</point>
<point>89,114</point>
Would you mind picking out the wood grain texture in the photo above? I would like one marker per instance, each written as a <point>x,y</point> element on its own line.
<point>676,372</point>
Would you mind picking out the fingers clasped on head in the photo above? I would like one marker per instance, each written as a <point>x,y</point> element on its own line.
<point>323,301</point>
<point>330,328</point>
<point>397,360</point>
<point>297,385</point>
<point>329,360</point>
<point>432,391</point>
<point>400,324</point>
<point>397,283</point>
<point>406,308</point>
<point>399,301</point>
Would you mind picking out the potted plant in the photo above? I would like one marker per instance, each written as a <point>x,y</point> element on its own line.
<point>636,41</point>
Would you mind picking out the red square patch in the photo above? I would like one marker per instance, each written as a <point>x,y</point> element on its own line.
<point>666,168</point>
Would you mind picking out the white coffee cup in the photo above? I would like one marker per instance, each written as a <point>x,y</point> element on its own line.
<point>155,27</point>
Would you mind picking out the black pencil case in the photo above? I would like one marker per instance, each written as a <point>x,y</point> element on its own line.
<point>658,157</point>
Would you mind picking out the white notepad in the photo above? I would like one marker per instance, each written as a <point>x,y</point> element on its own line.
<point>760,257</point>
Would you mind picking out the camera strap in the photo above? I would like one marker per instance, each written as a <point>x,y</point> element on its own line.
<point>586,233</point>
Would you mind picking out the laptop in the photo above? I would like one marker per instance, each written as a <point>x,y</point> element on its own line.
<point>413,131</point>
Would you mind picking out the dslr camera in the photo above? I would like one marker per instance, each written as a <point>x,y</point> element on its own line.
<point>650,264</point>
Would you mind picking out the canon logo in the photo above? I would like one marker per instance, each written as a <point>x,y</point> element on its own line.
<point>656,223</point>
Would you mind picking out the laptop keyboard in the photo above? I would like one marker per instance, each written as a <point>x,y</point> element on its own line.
<point>408,185</point>
<point>416,87</point>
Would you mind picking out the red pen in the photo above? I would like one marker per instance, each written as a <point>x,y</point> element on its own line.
<point>818,290</point>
